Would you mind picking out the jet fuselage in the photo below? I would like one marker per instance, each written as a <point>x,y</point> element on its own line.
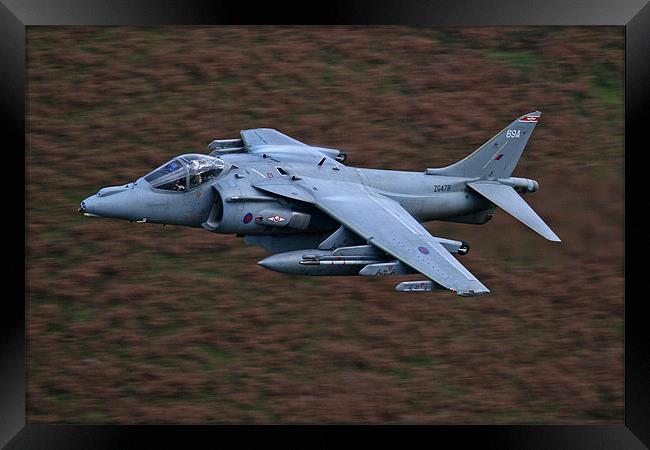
<point>426,197</point>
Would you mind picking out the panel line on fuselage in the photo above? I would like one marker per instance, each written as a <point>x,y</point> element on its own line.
<point>495,154</point>
<point>258,173</point>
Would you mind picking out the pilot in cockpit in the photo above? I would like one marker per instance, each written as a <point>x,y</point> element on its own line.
<point>198,168</point>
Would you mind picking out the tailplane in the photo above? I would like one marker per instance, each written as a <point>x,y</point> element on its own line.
<point>506,198</point>
<point>498,157</point>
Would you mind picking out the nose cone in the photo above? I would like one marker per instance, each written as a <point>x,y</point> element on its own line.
<point>120,205</point>
<point>91,207</point>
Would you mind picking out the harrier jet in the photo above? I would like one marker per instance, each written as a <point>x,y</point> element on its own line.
<point>318,216</point>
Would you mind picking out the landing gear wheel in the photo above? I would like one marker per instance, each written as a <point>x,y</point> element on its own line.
<point>463,249</point>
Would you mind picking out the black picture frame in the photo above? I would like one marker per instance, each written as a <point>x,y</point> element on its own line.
<point>15,15</point>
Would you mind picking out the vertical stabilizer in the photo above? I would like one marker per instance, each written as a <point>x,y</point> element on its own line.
<point>498,157</point>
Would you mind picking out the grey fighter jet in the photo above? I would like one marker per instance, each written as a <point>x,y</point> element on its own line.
<point>318,216</point>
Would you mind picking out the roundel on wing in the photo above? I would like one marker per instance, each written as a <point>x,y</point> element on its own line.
<point>423,250</point>
<point>248,217</point>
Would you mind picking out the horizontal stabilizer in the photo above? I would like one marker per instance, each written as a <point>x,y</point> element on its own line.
<point>506,198</point>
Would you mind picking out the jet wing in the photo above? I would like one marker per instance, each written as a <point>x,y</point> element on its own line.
<point>385,224</point>
<point>278,145</point>
<point>266,136</point>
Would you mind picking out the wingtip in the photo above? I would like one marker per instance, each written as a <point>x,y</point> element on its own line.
<point>549,236</point>
<point>552,237</point>
<point>473,293</point>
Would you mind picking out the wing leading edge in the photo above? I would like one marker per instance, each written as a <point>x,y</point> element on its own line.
<point>384,223</point>
<point>278,144</point>
<point>267,136</point>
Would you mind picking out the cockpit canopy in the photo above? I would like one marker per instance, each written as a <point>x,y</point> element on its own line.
<point>186,172</point>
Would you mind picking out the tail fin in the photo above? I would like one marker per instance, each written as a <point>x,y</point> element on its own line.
<point>498,157</point>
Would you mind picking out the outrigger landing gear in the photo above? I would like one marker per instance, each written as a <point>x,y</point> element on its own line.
<point>463,249</point>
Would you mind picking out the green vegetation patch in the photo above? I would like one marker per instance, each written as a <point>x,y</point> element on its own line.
<point>607,86</point>
<point>452,391</point>
<point>518,59</point>
<point>219,355</point>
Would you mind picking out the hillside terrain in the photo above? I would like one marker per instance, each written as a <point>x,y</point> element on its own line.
<point>136,323</point>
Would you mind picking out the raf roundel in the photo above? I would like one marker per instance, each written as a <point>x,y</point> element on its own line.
<point>423,250</point>
<point>248,217</point>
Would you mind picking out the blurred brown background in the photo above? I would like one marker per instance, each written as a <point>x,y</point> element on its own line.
<point>133,323</point>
